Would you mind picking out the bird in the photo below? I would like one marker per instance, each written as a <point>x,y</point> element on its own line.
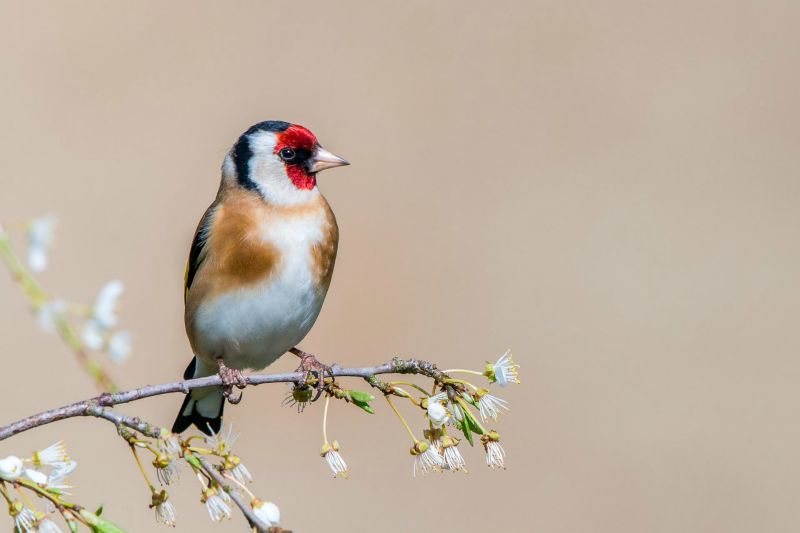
<point>259,266</point>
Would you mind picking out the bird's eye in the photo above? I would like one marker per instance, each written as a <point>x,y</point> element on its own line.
<point>287,154</point>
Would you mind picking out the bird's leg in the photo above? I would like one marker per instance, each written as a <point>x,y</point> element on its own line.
<point>311,366</point>
<point>231,377</point>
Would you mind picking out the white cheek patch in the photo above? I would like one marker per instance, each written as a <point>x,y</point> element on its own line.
<point>228,166</point>
<point>268,172</point>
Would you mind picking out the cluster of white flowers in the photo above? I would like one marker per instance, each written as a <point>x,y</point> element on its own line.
<point>98,330</point>
<point>217,500</point>
<point>451,407</point>
<point>97,324</point>
<point>46,470</point>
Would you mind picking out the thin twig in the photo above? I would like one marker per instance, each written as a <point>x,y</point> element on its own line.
<point>94,406</point>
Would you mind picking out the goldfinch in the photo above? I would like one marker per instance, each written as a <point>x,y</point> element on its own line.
<point>260,263</point>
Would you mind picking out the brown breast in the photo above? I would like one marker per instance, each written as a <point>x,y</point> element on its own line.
<point>236,254</point>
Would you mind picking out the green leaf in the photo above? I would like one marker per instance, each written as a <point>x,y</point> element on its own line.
<point>104,526</point>
<point>361,396</point>
<point>99,510</point>
<point>192,460</point>
<point>90,518</point>
<point>73,526</point>
<point>365,406</point>
<point>466,430</point>
<point>474,426</point>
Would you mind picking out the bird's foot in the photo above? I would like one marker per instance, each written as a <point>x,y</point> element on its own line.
<point>231,377</point>
<point>311,367</point>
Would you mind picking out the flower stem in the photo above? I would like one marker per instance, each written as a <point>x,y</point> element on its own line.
<point>403,420</point>
<point>407,395</point>
<point>325,420</point>
<point>203,451</point>
<point>141,468</point>
<point>423,391</point>
<point>25,499</point>
<point>463,371</point>
<point>44,493</point>
<point>244,488</point>
<point>4,492</point>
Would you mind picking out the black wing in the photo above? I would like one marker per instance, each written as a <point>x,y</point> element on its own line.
<point>196,254</point>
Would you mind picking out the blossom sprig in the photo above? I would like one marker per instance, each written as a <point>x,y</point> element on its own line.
<point>330,450</point>
<point>45,478</point>
<point>451,403</point>
<point>85,329</point>
<point>448,405</point>
<point>458,403</point>
<point>222,475</point>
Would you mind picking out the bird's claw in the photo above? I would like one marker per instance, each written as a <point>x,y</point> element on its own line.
<point>231,377</point>
<point>311,366</point>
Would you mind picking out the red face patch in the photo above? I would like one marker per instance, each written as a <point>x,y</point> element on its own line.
<point>303,143</point>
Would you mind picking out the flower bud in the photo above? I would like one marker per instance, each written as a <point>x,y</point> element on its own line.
<point>437,414</point>
<point>267,512</point>
<point>10,468</point>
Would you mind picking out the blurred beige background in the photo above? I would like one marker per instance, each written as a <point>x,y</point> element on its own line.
<point>609,188</point>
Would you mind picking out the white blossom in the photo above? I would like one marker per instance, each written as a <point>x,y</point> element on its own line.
<point>453,459</point>
<point>426,458</point>
<point>165,513</point>
<point>242,474</point>
<point>504,371</point>
<point>495,454</point>
<point>490,406</point>
<point>169,443</point>
<point>40,238</point>
<point>106,303</point>
<point>457,413</point>
<point>334,459</point>
<point>54,455</point>
<point>437,413</point>
<point>10,468</point>
<point>24,518</point>
<point>222,441</point>
<point>58,477</point>
<point>119,346</point>
<point>439,397</point>
<point>267,512</point>
<point>48,312</point>
<point>47,526</point>
<point>217,508</point>
<point>37,477</point>
<point>93,335</point>
<point>166,470</point>
<point>224,495</point>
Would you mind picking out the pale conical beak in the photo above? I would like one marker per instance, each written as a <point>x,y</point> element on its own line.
<point>323,159</point>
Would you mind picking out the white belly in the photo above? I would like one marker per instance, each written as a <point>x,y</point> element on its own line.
<point>252,327</point>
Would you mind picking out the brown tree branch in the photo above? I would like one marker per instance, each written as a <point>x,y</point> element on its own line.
<point>97,406</point>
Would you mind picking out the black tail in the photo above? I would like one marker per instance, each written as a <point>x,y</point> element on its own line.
<point>209,402</point>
